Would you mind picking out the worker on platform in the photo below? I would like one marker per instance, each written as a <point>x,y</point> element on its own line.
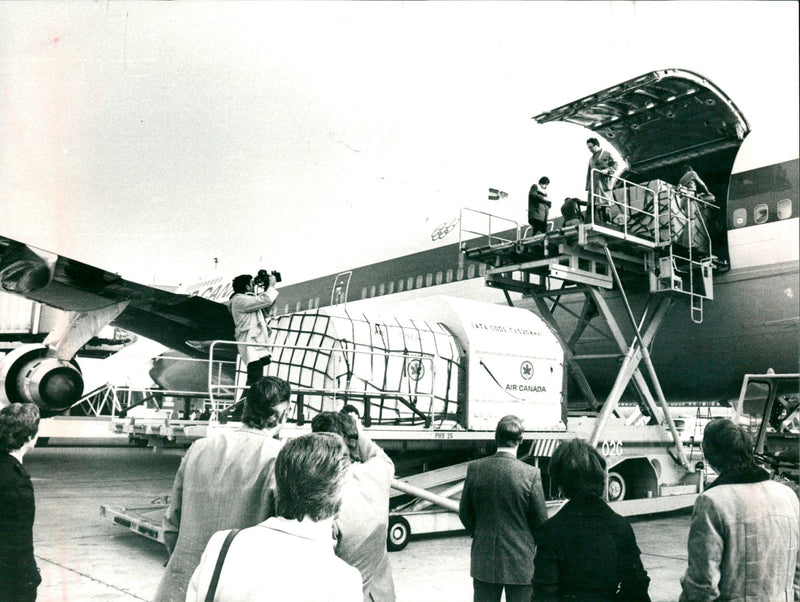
<point>538,206</point>
<point>571,211</point>
<point>599,181</point>
<point>692,182</point>
<point>690,189</point>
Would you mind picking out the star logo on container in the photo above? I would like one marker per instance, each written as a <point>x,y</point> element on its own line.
<point>415,370</point>
<point>526,370</point>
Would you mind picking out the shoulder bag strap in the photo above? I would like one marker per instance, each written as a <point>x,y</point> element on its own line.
<point>212,588</point>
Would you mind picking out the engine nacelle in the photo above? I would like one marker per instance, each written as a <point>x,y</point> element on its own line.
<point>22,270</point>
<point>29,375</point>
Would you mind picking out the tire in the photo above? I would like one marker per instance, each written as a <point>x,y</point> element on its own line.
<point>616,487</point>
<point>398,534</point>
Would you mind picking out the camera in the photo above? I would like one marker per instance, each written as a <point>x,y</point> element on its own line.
<point>262,278</point>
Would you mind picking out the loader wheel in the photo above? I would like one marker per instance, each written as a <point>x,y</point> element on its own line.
<point>398,534</point>
<point>616,487</point>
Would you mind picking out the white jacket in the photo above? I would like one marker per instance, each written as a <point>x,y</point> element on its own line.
<point>276,561</point>
<point>250,321</point>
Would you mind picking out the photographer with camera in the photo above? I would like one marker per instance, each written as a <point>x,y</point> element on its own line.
<point>250,311</point>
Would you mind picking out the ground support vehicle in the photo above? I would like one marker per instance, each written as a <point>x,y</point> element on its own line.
<point>431,379</point>
<point>769,408</point>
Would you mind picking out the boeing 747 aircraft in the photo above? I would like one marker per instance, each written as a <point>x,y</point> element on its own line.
<point>657,122</point>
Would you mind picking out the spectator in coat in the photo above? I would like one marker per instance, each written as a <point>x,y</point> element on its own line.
<point>288,556</point>
<point>743,538</point>
<point>224,481</point>
<point>250,312</point>
<point>538,206</point>
<point>599,181</point>
<point>503,507</point>
<point>361,525</point>
<point>19,575</point>
<point>586,552</point>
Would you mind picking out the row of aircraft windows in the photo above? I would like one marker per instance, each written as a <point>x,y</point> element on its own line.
<point>761,213</point>
<point>420,281</point>
<point>402,284</point>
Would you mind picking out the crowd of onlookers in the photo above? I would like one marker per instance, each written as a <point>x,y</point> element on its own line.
<point>743,537</point>
<point>252,517</point>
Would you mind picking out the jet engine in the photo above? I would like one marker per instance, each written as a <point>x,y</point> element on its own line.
<point>22,270</point>
<point>29,375</point>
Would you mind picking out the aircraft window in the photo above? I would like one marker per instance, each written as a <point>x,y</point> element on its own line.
<point>785,209</point>
<point>482,269</point>
<point>471,271</point>
<point>761,214</point>
<point>372,291</point>
<point>428,279</point>
<point>410,283</point>
<point>391,287</point>
<point>400,285</point>
<point>419,281</point>
<point>286,308</point>
<point>439,277</point>
<point>449,276</point>
<point>297,307</point>
<point>382,289</point>
<point>460,274</point>
<point>364,293</point>
<point>311,304</point>
<point>316,302</point>
<point>740,217</point>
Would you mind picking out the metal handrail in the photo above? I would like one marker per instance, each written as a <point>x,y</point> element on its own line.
<point>489,235</point>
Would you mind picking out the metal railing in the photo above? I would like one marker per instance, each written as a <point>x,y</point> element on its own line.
<point>658,214</point>
<point>491,233</point>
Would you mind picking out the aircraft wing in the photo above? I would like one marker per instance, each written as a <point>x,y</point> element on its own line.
<point>168,318</point>
<point>660,120</point>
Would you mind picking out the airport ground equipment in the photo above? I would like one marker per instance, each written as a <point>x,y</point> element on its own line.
<point>431,379</point>
<point>769,408</point>
<point>143,520</point>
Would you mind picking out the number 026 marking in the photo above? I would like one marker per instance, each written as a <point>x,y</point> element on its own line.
<point>612,448</point>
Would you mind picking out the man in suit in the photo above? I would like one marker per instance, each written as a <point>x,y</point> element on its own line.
<point>502,507</point>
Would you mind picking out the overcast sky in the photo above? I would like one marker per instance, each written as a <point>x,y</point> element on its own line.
<point>310,137</point>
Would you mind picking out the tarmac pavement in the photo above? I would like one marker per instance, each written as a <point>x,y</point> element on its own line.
<point>85,558</point>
